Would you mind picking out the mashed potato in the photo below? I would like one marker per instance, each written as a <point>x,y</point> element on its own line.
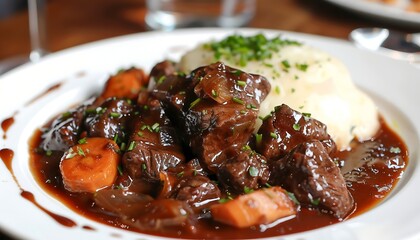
<point>308,80</point>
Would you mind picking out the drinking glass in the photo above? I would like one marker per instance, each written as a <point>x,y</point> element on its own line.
<point>37,33</point>
<point>171,14</point>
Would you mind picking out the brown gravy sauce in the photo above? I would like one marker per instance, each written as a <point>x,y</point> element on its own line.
<point>7,157</point>
<point>6,124</point>
<point>377,171</point>
<point>42,94</point>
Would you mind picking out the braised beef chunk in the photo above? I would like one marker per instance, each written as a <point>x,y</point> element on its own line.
<point>223,113</point>
<point>109,119</point>
<point>162,70</point>
<point>224,84</point>
<point>196,190</point>
<point>153,145</point>
<point>64,130</point>
<point>245,171</point>
<point>286,128</point>
<point>314,178</point>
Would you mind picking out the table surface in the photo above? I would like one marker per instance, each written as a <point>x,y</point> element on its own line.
<point>71,23</point>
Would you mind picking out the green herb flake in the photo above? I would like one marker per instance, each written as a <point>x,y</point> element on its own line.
<point>277,90</point>
<point>251,106</point>
<point>155,127</point>
<point>306,114</point>
<point>285,64</point>
<point>246,148</point>
<point>123,146</point>
<point>115,115</point>
<point>248,190</point>
<point>120,171</point>
<point>302,67</point>
<point>82,141</point>
<point>66,115</point>
<point>241,83</point>
<point>224,200</point>
<point>293,198</point>
<point>316,201</point>
<point>238,100</point>
<point>273,135</point>
<point>242,49</point>
<point>143,166</point>
<point>253,171</point>
<point>140,133</point>
<point>80,151</point>
<point>267,185</point>
<point>214,93</point>
<point>48,153</point>
<point>395,150</point>
<point>131,146</point>
<point>296,126</point>
<point>161,79</point>
<point>258,139</point>
<point>180,174</point>
<point>195,102</point>
<point>292,90</point>
<point>268,64</point>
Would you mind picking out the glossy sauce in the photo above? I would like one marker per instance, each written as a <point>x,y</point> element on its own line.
<point>370,168</point>
<point>49,90</point>
<point>6,124</point>
<point>7,157</point>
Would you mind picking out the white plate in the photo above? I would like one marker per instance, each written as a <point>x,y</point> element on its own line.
<point>391,13</point>
<point>393,85</point>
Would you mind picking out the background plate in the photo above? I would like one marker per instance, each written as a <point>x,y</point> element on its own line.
<point>389,13</point>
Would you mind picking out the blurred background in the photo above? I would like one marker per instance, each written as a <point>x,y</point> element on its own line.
<point>71,23</point>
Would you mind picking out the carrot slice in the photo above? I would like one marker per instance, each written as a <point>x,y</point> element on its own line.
<point>259,207</point>
<point>90,165</point>
<point>125,84</point>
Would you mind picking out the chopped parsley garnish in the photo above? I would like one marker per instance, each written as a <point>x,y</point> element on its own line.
<point>143,166</point>
<point>238,100</point>
<point>155,127</point>
<point>48,153</point>
<point>277,90</point>
<point>115,115</point>
<point>248,190</point>
<point>302,67</point>
<point>131,146</point>
<point>120,171</point>
<point>66,115</point>
<point>80,151</point>
<point>195,102</point>
<point>82,141</point>
<point>296,126</point>
<point>180,174</point>
<point>241,49</point>
<point>315,202</point>
<point>251,106</point>
<point>293,198</point>
<point>214,93</point>
<point>273,135</point>
<point>285,64</point>
<point>258,138</point>
<point>246,148</point>
<point>241,83</point>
